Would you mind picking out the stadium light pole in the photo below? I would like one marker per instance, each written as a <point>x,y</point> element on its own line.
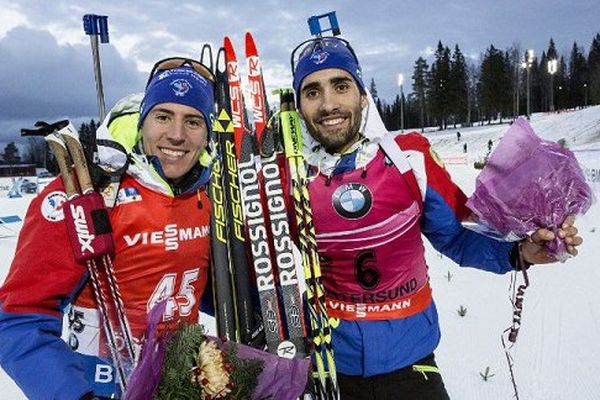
<point>529,56</point>
<point>585,89</point>
<point>559,95</point>
<point>552,68</point>
<point>400,82</point>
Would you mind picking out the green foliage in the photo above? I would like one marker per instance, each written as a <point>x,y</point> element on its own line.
<point>176,379</point>
<point>578,77</point>
<point>452,89</point>
<point>458,86</point>
<point>563,143</point>
<point>495,84</point>
<point>420,87</point>
<point>594,71</point>
<point>480,163</point>
<point>439,85</point>
<point>245,373</point>
<point>373,89</point>
<point>11,154</point>
<point>448,276</point>
<point>486,375</point>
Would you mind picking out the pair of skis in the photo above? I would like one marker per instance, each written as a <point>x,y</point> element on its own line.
<point>90,234</point>
<point>258,179</point>
<point>237,206</point>
<point>268,232</point>
<point>235,311</point>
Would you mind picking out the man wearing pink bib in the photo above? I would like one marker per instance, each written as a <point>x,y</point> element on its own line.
<point>373,195</point>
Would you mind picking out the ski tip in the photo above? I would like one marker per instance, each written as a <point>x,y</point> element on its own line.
<point>207,53</point>
<point>220,61</point>
<point>229,51</point>
<point>250,45</point>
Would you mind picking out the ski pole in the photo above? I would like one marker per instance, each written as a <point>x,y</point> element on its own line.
<point>320,332</point>
<point>80,207</point>
<point>71,138</point>
<point>95,25</point>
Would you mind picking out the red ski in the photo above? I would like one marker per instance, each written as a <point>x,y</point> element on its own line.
<point>257,87</point>
<point>235,94</point>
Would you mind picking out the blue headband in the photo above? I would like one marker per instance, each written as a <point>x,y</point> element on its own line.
<point>181,85</point>
<point>326,53</point>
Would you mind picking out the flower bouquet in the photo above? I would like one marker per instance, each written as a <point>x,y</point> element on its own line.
<point>188,364</point>
<point>529,183</point>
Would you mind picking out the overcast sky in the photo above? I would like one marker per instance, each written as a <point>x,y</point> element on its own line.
<point>46,67</point>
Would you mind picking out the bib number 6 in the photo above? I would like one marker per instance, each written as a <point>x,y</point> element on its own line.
<point>365,270</point>
<point>183,301</point>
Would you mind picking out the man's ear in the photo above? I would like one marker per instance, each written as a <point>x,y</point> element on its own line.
<point>363,101</point>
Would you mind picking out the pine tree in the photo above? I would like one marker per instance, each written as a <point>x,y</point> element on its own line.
<point>496,96</point>
<point>380,107</point>
<point>552,53</point>
<point>473,93</point>
<point>594,71</point>
<point>419,78</point>
<point>36,151</point>
<point>82,128</point>
<point>439,85</point>
<point>537,86</point>
<point>373,89</point>
<point>577,77</point>
<point>458,86</point>
<point>515,71</point>
<point>11,154</point>
<point>561,85</point>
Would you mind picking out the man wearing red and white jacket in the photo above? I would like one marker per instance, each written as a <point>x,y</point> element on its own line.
<point>372,197</point>
<point>160,224</point>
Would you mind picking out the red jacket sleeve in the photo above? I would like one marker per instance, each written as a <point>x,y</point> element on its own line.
<point>43,275</point>
<point>438,178</point>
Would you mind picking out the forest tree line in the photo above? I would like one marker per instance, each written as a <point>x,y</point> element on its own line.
<point>454,90</point>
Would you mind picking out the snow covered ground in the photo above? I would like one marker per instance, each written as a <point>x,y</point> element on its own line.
<point>559,338</point>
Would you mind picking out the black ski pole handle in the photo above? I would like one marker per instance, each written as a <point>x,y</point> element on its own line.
<point>44,128</point>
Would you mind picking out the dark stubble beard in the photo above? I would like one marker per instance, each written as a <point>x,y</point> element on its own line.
<point>339,140</point>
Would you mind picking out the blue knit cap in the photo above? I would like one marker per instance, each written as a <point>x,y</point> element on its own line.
<point>182,85</point>
<point>329,52</point>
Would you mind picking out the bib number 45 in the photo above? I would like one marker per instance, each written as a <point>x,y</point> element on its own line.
<point>180,301</point>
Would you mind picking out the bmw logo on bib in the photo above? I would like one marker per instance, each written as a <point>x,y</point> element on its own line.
<point>352,200</point>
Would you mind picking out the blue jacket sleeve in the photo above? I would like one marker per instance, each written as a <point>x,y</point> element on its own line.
<point>37,359</point>
<point>467,248</point>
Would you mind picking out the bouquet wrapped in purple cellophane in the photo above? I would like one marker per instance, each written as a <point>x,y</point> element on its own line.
<point>529,183</point>
<point>275,378</point>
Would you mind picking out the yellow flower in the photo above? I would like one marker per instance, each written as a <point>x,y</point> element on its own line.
<point>211,374</point>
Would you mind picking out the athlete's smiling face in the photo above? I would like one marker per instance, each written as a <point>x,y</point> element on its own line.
<point>176,134</point>
<point>331,105</point>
